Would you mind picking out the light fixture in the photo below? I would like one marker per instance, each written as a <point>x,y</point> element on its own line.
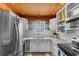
<point>23,13</point>
<point>62,3</point>
<point>13,3</point>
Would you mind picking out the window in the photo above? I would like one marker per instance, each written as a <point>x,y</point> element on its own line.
<point>38,26</point>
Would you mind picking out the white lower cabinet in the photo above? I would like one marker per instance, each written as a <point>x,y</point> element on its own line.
<point>39,45</point>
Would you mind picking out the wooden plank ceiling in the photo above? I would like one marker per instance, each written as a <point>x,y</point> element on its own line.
<point>34,11</point>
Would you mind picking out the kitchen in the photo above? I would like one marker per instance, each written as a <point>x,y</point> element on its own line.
<point>29,29</point>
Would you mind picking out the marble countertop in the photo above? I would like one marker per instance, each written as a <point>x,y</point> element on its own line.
<point>57,41</point>
<point>54,40</point>
<point>36,38</point>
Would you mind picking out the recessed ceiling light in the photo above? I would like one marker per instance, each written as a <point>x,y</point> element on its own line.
<point>13,3</point>
<point>23,13</point>
<point>62,3</point>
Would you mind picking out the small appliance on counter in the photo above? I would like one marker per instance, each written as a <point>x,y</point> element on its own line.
<point>75,44</point>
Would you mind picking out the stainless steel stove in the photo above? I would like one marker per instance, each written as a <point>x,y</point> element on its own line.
<point>75,45</point>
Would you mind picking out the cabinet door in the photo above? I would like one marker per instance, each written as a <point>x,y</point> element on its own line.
<point>27,45</point>
<point>39,45</point>
<point>34,45</point>
<point>44,46</point>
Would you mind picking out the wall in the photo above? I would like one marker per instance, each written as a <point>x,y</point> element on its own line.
<point>30,33</point>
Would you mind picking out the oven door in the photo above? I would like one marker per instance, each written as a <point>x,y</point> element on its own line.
<point>61,53</point>
<point>75,47</point>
